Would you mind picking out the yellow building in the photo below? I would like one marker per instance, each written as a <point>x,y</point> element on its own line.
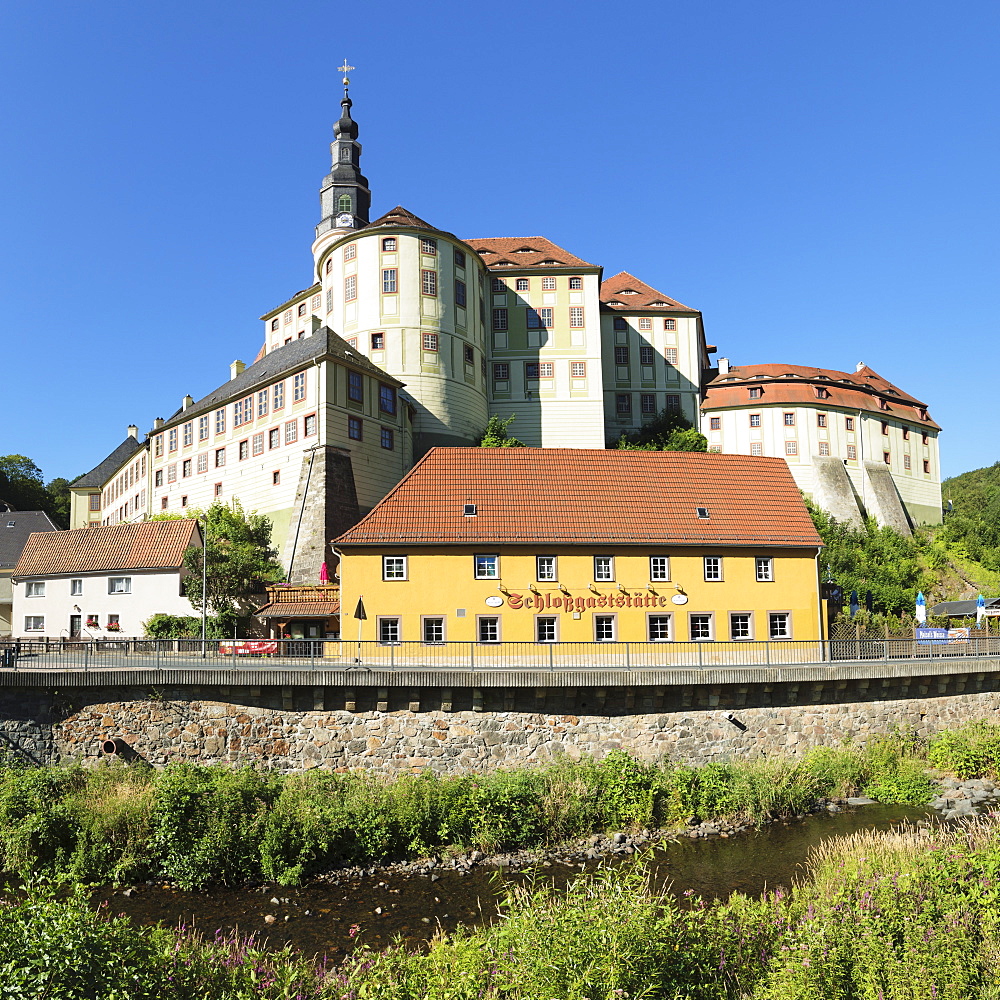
<point>499,545</point>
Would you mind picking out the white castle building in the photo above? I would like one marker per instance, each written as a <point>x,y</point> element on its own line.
<point>408,337</point>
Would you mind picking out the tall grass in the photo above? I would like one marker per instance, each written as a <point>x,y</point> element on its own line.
<point>193,825</point>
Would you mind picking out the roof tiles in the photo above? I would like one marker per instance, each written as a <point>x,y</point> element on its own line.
<point>624,292</point>
<point>504,252</point>
<point>581,496</point>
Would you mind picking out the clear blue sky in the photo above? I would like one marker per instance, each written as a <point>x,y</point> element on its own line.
<point>820,179</point>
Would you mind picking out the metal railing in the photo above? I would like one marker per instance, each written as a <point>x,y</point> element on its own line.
<point>339,654</point>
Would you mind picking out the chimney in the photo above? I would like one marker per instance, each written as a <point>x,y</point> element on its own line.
<point>157,423</point>
<point>861,365</point>
<point>236,369</point>
<point>133,431</point>
<point>723,366</point>
<point>186,402</point>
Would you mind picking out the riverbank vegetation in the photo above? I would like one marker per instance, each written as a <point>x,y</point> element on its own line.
<point>878,916</point>
<point>198,825</point>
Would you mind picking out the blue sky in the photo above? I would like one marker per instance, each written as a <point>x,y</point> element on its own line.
<point>820,179</point>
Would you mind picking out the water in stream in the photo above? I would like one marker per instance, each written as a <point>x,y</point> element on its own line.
<point>318,918</point>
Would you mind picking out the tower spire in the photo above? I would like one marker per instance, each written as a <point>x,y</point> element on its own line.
<point>344,196</point>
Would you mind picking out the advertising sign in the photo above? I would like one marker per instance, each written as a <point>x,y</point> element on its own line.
<point>941,636</point>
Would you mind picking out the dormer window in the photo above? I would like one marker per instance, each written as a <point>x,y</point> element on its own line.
<point>628,291</point>
<point>883,404</point>
<point>470,510</point>
<point>821,393</point>
<point>755,392</point>
<point>702,513</point>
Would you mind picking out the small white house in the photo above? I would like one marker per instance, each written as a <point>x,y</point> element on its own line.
<point>101,582</point>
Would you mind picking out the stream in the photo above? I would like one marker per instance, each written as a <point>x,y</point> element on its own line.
<point>317,918</point>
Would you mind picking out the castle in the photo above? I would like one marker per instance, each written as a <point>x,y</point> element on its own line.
<point>410,337</point>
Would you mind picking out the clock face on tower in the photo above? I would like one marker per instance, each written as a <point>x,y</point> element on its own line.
<point>345,220</point>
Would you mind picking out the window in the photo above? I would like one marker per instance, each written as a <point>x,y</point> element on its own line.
<point>499,319</point>
<point>755,393</point>
<point>501,371</point>
<point>316,301</point>
<point>791,447</point>
<point>700,627</point>
<point>470,356</point>
<point>459,259</point>
<point>329,300</point>
<point>158,477</point>
<point>388,631</point>
<point>329,268</point>
<point>623,403</point>
<point>34,588</point>
<point>670,324</point>
<point>203,428</point>
<point>924,437</point>
<point>740,625</point>
<point>545,568</point>
<point>389,280</point>
<point>852,453</point>
<point>498,285</point>
<point>824,449</point>
<point>715,423</point>
<point>619,323</point>
<point>308,429</point>
<point>120,585</point>
<point>645,323</point>
<point>756,448</point>
<point>670,353</point>
<point>218,489</point>
<point>788,419</point>
<point>158,445</point>
<point>433,630</point>
<point>487,567</point>
<point>779,625</point>
<point>354,428</point>
<point>659,568</point>
<point>188,434</point>
<point>459,293</point>
<point>576,317</point>
<point>576,283</point>
<point>546,629</point>
<point>764,569</point>
<point>172,473</point>
<point>548,284</point>
<point>521,284</point>
<point>350,288</point>
<point>75,588</point>
<point>378,341</point>
<point>299,387</point>
<point>645,355</point>
<point>755,420</point>
<point>243,450</point>
<point>821,420</point>
<point>821,393</point>
<point>848,423</point>
<point>538,369</point>
<point>488,629</point>
<point>274,322</point>
<point>658,628</point>
<point>883,404</point>
<point>887,458</point>
<point>288,316</point>
<point>389,244</point>
<point>302,309</point>
<point>906,433</point>
<point>621,355</point>
<point>429,246</point>
<point>388,438</point>
<point>927,467</point>
<point>604,628</point>
<point>238,419</point>
<point>186,468</point>
<point>906,462</point>
<point>647,402</point>
<point>172,439</point>
<point>274,437</point>
<point>429,282</point>
<point>578,369</point>
<point>291,431</point>
<point>540,319</point>
<point>163,503</point>
<point>355,387</point>
<point>713,568</point>
<point>350,251</point>
<point>258,444</point>
<point>885,427</point>
<point>604,568</point>
<point>34,623</point>
<point>393,567</point>
<point>344,201</point>
<point>279,396</point>
<point>430,341</point>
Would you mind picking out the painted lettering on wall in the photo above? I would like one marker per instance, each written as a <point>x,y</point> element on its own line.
<point>566,602</point>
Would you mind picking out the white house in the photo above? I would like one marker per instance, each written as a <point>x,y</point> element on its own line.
<point>101,582</point>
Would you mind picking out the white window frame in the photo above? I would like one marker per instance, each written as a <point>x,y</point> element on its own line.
<point>34,588</point>
<point>764,569</point>
<point>711,627</point>
<point>713,569</point>
<point>610,565</point>
<point>432,621</point>
<point>401,563</point>
<point>551,627</point>
<point>605,628</point>
<point>670,628</point>
<point>385,625</point>
<point>480,566</point>
<point>481,621</point>
<point>741,614</point>
<point>773,625</point>
<point>546,569</point>
<point>76,588</point>
<point>659,572</point>
<point>34,623</point>
<point>119,585</point>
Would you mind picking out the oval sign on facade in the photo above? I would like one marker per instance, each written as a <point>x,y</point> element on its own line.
<point>494,601</point>
<point>680,598</point>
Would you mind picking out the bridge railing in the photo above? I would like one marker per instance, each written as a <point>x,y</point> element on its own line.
<point>61,654</point>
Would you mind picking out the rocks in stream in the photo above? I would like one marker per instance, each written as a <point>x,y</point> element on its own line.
<point>963,799</point>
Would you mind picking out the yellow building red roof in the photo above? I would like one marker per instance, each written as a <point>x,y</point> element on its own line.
<point>512,252</point>
<point>782,384</point>
<point>584,496</point>
<point>107,549</point>
<point>624,292</point>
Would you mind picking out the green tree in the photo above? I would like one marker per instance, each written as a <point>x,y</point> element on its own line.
<point>669,430</point>
<point>59,500</point>
<point>496,436</point>
<point>21,483</point>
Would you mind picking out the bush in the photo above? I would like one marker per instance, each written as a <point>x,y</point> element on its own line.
<point>970,751</point>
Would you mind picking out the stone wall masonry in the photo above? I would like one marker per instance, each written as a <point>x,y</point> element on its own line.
<point>451,731</point>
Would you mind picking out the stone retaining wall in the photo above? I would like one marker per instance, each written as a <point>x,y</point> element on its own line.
<point>291,729</point>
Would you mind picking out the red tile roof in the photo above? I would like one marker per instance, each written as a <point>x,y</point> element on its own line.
<point>786,384</point>
<point>626,293</point>
<point>125,547</point>
<point>400,216</point>
<point>300,609</point>
<point>512,252</point>
<point>582,496</point>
